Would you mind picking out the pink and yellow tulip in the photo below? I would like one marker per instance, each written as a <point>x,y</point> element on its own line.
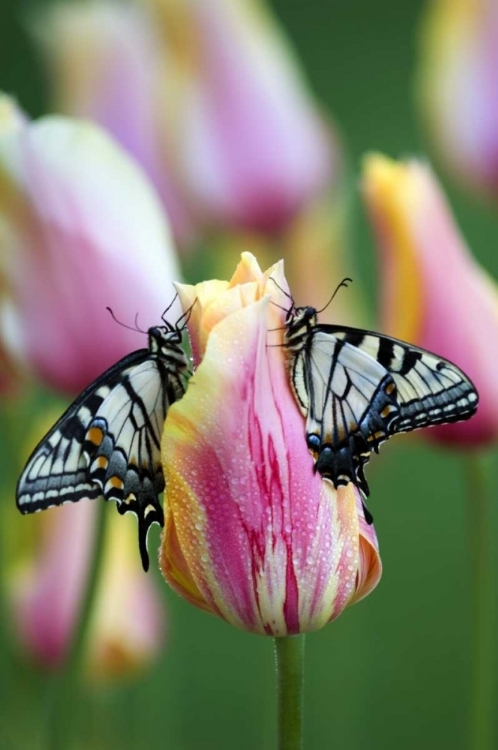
<point>433,292</point>
<point>251,533</point>
<point>82,229</point>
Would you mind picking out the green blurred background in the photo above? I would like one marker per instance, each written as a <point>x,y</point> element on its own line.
<point>393,671</point>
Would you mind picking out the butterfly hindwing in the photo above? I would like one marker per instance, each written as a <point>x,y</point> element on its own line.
<point>358,388</point>
<point>123,443</point>
<point>56,471</point>
<point>342,392</point>
<point>107,443</point>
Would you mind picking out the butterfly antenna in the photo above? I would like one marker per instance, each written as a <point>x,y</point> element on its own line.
<point>343,283</point>
<point>163,316</point>
<point>281,307</point>
<point>137,327</point>
<point>186,315</point>
<point>282,290</point>
<point>119,322</point>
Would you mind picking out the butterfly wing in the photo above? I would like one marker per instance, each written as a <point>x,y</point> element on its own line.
<point>430,389</point>
<point>56,472</point>
<point>108,443</point>
<point>358,388</point>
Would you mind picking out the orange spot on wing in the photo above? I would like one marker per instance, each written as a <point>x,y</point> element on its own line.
<point>95,435</point>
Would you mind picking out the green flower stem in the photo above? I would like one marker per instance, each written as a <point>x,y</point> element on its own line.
<point>483,707</point>
<point>289,662</point>
<point>64,698</point>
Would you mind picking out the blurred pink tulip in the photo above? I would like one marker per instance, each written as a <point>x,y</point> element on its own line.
<point>433,292</point>
<point>252,534</point>
<point>47,589</point>
<point>105,63</point>
<point>82,230</point>
<point>127,626</point>
<point>206,96</point>
<point>250,142</point>
<point>458,81</point>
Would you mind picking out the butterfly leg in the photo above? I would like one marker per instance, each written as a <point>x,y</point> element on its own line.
<point>368,516</point>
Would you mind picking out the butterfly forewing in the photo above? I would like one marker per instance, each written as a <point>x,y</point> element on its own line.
<point>431,390</point>
<point>108,441</point>
<point>357,388</point>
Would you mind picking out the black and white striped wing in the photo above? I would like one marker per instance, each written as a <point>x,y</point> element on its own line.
<point>107,444</point>
<point>430,390</point>
<point>359,388</point>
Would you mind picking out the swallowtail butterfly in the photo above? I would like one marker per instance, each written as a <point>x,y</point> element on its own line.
<point>107,443</point>
<point>357,389</point>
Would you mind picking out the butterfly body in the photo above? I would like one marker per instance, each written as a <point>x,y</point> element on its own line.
<point>107,443</point>
<point>358,388</point>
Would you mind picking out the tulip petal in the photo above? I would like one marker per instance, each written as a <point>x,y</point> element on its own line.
<point>370,565</point>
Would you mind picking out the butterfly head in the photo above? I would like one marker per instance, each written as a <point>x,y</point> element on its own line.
<point>299,325</point>
<point>166,342</point>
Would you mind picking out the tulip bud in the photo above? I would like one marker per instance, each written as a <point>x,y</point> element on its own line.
<point>81,230</point>
<point>250,144</point>
<point>252,534</point>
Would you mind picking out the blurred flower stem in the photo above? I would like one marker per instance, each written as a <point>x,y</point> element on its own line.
<point>63,698</point>
<point>482,707</point>
<point>289,662</point>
